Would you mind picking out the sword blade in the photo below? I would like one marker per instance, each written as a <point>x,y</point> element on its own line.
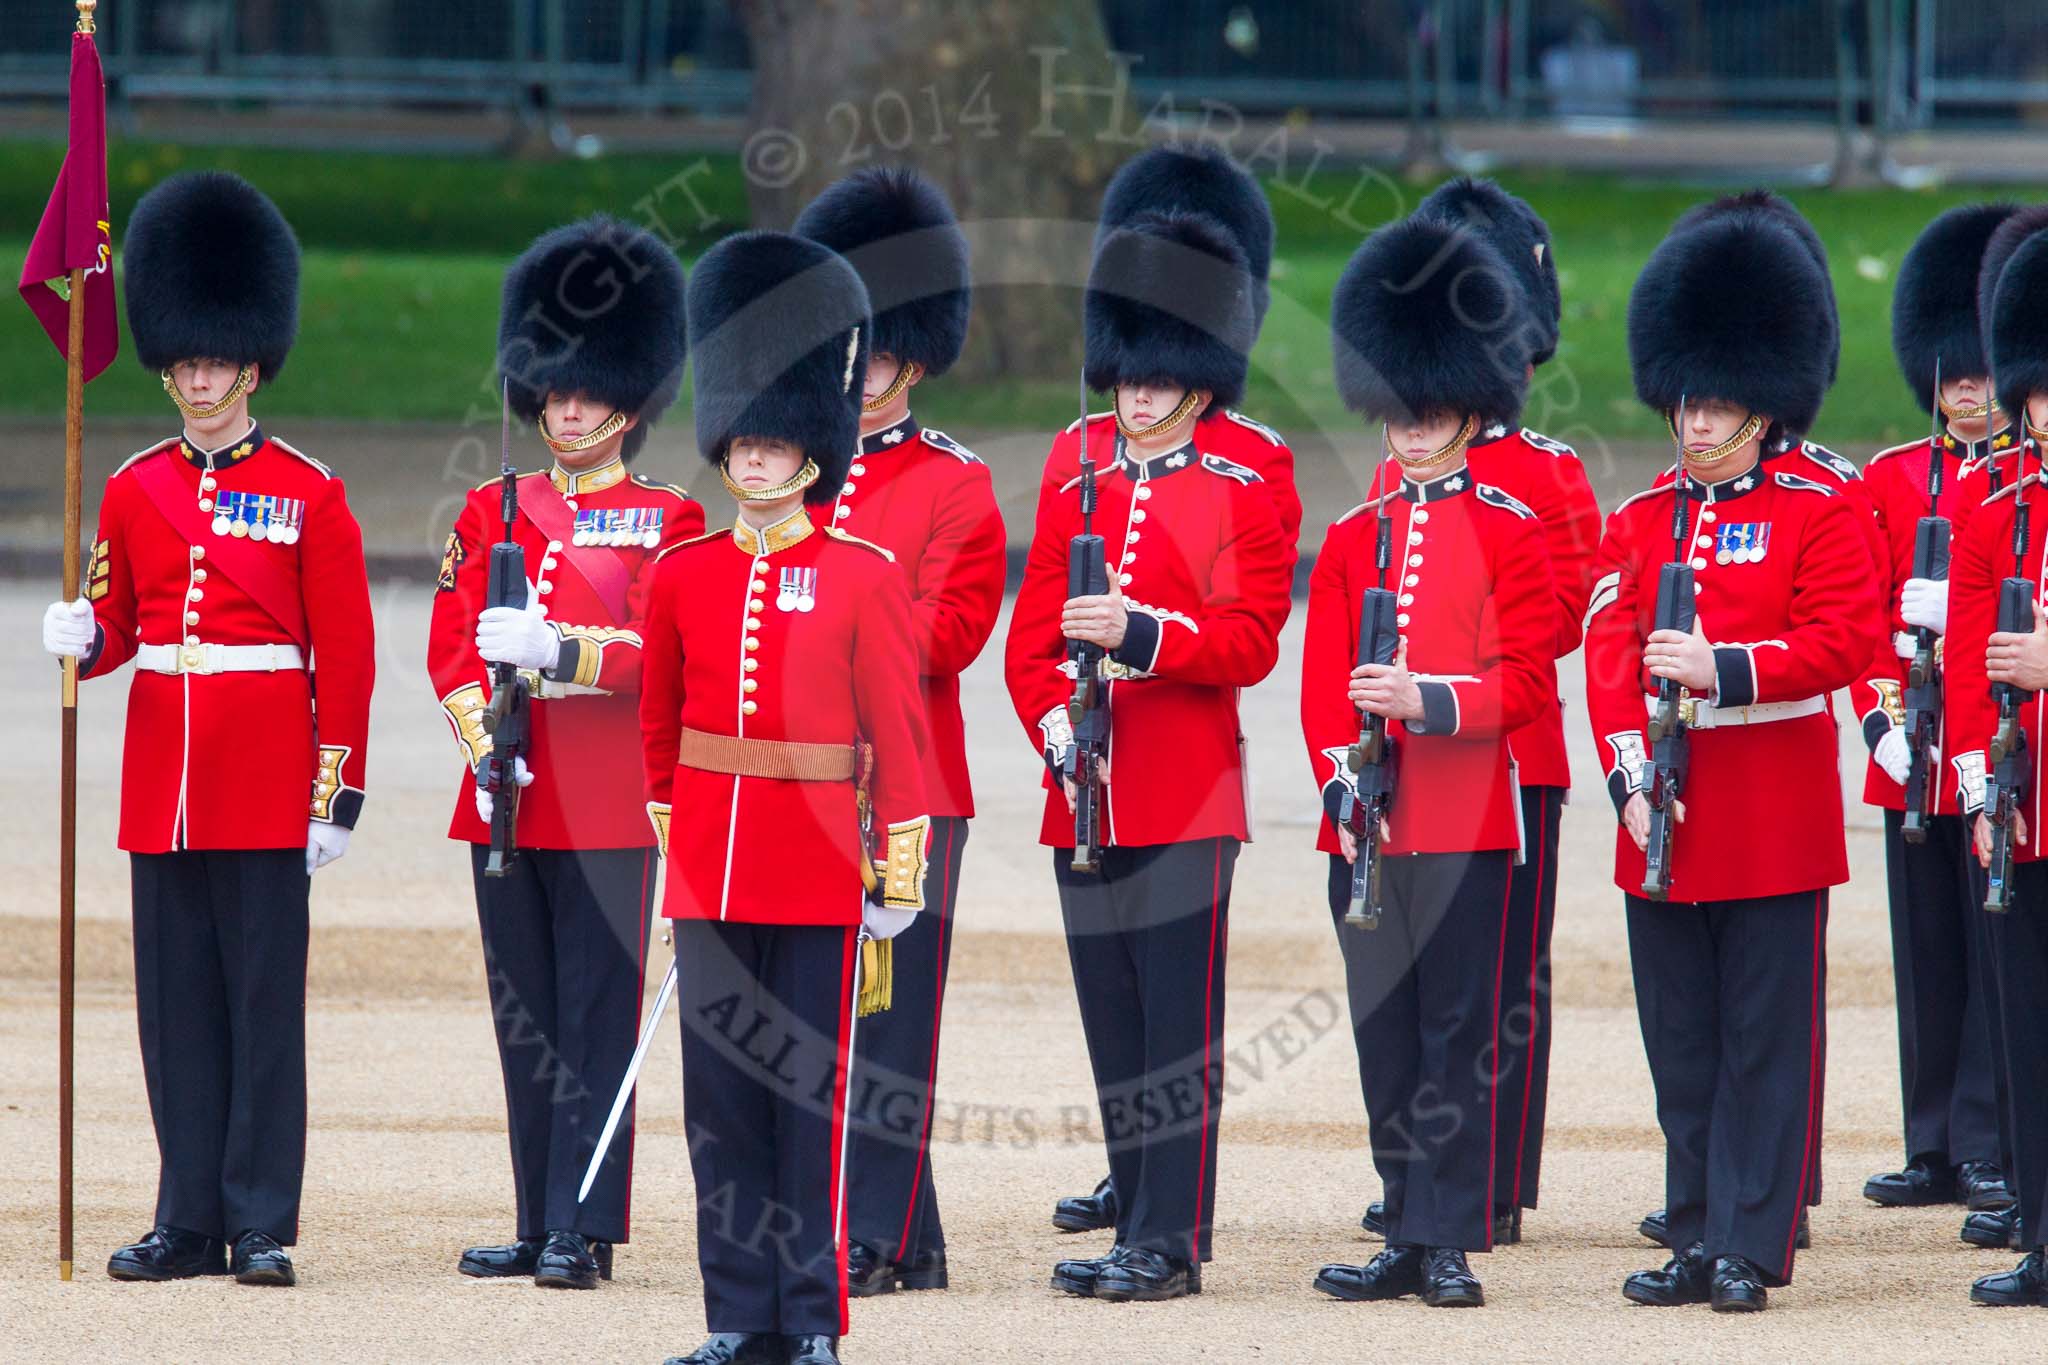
<point>632,1077</point>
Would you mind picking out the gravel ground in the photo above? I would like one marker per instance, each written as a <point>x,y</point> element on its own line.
<point>407,1164</point>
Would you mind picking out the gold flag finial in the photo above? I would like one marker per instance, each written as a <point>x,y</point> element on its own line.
<point>85,10</point>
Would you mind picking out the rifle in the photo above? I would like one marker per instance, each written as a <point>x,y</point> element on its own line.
<point>509,719</point>
<point>1669,749</point>
<point>1370,796</point>
<point>1088,708</point>
<point>1923,675</point>
<point>2011,766</point>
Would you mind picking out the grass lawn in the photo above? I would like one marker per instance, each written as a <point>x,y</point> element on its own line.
<point>404,256</point>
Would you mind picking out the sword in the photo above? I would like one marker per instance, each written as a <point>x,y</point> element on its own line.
<point>611,1123</point>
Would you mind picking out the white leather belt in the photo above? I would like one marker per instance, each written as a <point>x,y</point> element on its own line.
<point>1699,715</point>
<point>218,658</point>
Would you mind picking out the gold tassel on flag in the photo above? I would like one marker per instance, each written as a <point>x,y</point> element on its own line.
<point>877,975</point>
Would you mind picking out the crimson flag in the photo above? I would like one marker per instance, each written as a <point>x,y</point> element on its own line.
<point>76,232</point>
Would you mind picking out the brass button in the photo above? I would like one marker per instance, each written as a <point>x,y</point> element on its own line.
<point>752,624</point>
<point>760,586</point>
<point>757,606</point>
<point>750,664</point>
<point>194,594</point>
<point>191,639</point>
<point>749,684</point>
<point>206,504</point>
<point>752,643</point>
<point>199,575</point>
<point>199,552</point>
<point>748,708</point>
<point>191,618</point>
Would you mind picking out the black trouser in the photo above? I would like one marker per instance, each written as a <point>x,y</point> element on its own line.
<point>1945,1056</point>
<point>1730,995</point>
<point>220,996</point>
<point>1148,937</point>
<point>767,1013</point>
<point>565,935</point>
<point>1425,1001</point>
<point>1525,1003</point>
<point>891,1205</point>
<point>1988,944</point>
<point>2019,940</point>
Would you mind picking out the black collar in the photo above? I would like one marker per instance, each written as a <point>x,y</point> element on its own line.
<point>233,453</point>
<point>1725,490</point>
<point>1998,444</point>
<point>1491,432</point>
<point>1181,457</point>
<point>1436,490</point>
<point>890,438</point>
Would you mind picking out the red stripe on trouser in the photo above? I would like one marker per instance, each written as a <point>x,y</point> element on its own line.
<point>931,1075</point>
<point>1535,946</point>
<point>1208,1037</point>
<point>849,966</point>
<point>1500,957</point>
<point>640,992</point>
<point>1813,1065</point>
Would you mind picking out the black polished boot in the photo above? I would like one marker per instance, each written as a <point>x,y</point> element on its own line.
<point>2024,1286</point>
<point>1087,1212</point>
<point>1982,1187</point>
<point>1141,1276</point>
<point>1448,1281</point>
<point>1507,1227</point>
<point>926,1270</point>
<point>572,1261</point>
<point>258,1259</point>
<point>1395,1272</point>
<point>1738,1287</point>
<point>812,1350</point>
<point>1926,1180</point>
<point>1375,1220</point>
<point>169,1254</point>
<point>867,1274</point>
<point>1994,1229</point>
<point>734,1348</point>
<point>514,1259</point>
<point>1684,1279</point>
<point>1078,1276</point>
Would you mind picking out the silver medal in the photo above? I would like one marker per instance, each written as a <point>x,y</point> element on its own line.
<point>221,524</point>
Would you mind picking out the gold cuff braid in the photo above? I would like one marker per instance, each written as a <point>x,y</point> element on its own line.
<point>327,780</point>
<point>657,815</point>
<point>900,869</point>
<point>466,707</point>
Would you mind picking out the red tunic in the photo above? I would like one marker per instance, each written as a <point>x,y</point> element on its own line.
<point>585,746</point>
<point>1197,548</point>
<point>1545,476</point>
<point>1229,435</point>
<point>1982,559</point>
<point>929,501</point>
<point>1897,483</point>
<point>230,760</point>
<point>1790,620</point>
<point>803,636</point>
<point>1479,615</point>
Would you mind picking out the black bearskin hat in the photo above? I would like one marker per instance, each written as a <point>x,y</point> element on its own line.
<point>2013,302</point>
<point>1726,310</point>
<point>1169,301</point>
<point>898,231</point>
<point>779,332</point>
<point>1829,325</point>
<point>1934,308</point>
<point>594,308</point>
<point>1429,318</point>
<point>1197,180</point>
<point>1521,236</point>
<point>210,270</point>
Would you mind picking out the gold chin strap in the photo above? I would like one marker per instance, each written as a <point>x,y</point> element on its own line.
<point>1956,414</point>
<point>796,483</point>
<point>243,379</point>
<point>1707,459</point>
<point>604,431</point>
<point>2038,435</point>
<point>906,373</point>
<point>1451,451</point>
<point>1181,412</point>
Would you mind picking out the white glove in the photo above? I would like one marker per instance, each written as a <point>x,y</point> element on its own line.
<point>69,628</point>
<point>1892,754</point>
<point>520,636</point>
<point>324,843</point>
<point>882,922</point>
<point>1924,603</point>
<point>485,805</point>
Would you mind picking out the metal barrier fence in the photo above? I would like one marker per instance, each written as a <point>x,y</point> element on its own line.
<point>1896,64</point>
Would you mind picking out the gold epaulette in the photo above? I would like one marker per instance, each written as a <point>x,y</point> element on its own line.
<point>697,539</point>
<point>658,485</point>
<point>144,453</point>
<point>837,534</point>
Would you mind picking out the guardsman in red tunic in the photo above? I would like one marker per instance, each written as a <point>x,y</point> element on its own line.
<point>1794,453</point>
<point>783,728</point>
<point>1198,588</point>
<point>1477,626</point>
<point>1191,179</point>
<point>590,345</point>
<point>1544,475</point>
<point>2014,301</point>
<point>1948,1065</point>
<point>930,502</point>
<point>228,567</point>
<point>1730,970</point>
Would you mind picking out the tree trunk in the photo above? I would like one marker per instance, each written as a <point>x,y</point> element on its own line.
<point>1022,140</point>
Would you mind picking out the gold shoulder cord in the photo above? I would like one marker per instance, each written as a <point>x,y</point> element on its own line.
<point>200,412</point>
<point>1450,451</point>
<point>1707,459</point>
